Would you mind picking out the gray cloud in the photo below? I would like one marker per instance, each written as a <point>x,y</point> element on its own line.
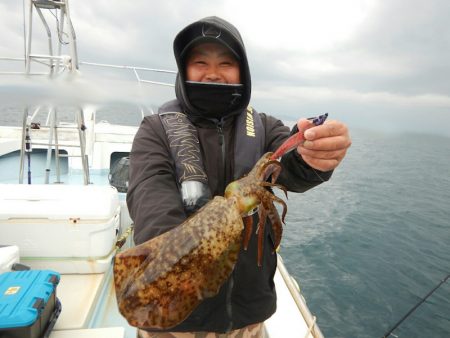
<point>403,47</point>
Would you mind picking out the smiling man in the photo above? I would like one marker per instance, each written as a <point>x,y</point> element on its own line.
<point>212,62</point>
<point>206,138</point>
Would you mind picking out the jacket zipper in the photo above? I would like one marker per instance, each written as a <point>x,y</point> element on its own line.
<point>229,309</point>
<point>221,142</point>
<point>222,148</point>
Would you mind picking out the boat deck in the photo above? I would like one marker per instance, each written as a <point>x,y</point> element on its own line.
<point>90,308</point>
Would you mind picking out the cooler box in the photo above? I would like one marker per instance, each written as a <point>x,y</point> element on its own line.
<point>9,255</point>
<point>28,304</point>
<point>67,228</point>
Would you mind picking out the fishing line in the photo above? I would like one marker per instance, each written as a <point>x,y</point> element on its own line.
<point>387,334</point>
<point>317,174</point>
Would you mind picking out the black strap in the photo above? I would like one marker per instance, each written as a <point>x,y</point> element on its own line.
<point>184,147</point>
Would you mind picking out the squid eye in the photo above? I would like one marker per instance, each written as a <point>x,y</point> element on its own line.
<point>251,212</point>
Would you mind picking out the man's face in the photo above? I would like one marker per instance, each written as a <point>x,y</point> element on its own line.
<point>212,62</point>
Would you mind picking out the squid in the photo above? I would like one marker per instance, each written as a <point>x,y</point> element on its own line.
<point>160,282</point>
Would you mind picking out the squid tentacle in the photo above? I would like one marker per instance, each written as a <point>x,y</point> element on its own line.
<point>277,227</point>
<point>262,213</point>
<point>279,186</point>
<point>275,221</point>
<point>283,204</point>
<point>272,167</point>
<point>248,226</point>
<point>272,197</point>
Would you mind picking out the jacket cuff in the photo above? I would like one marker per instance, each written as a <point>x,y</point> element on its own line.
<point>311,174</point>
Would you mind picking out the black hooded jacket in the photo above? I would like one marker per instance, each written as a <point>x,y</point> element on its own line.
<point>154,198</point>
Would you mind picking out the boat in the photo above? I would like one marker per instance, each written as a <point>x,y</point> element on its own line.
<point>62,200</point>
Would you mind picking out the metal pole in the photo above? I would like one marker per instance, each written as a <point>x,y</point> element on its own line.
<point>22,147</point>
<point>61,29</point>
<point>82,137</point>
<point>28,50</point>
<point>49,38</point>
<point>50,140</point>
<point>28,150</point>
<point>73,38</point>
<point>24,33</point>
<point>55,133</point>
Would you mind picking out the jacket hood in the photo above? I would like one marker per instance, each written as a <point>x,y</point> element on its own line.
<point>210,29</point>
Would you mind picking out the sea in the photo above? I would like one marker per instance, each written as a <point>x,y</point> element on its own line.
<point>369,245</point>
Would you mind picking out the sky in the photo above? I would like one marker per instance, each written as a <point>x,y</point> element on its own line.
<point>382,65</point>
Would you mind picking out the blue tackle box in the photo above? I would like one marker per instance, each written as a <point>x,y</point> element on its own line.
<point>28,303</point>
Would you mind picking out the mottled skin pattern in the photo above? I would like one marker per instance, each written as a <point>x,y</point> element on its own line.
<point>160,282</point>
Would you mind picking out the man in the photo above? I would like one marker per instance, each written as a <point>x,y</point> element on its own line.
<point>213,90</point>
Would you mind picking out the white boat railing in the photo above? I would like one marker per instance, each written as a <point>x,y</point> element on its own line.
<point>294,290</point>
<point>135,71</point>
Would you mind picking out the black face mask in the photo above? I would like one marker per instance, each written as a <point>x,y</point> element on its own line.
<point>214,100</point>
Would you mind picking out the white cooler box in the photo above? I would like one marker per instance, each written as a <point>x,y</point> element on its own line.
<point>9,255</point>
<point>70,229</point>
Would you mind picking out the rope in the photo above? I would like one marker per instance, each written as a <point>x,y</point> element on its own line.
<point>387,334</point>
<point>60,34</point>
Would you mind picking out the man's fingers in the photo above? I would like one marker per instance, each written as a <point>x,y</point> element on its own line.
<point>325,145</point>
<point>324,155</point>
<point>328,129</point>
<point>303,124</point>
<point>328,143</point>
